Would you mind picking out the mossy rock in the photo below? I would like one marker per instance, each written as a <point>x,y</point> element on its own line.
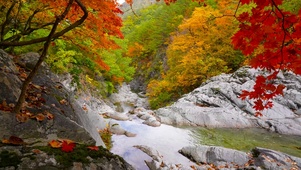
<point>40,157</point>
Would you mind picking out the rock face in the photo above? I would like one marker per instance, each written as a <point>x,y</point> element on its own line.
<point>216,155</point>
<point>47,95</point>
<point>269,159</point>
<point>67,122</point>
<point>216,104</point>
<point>36,158</point>
<point>260,158</point>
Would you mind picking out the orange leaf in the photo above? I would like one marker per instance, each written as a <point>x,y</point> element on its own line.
<point>63,102</point>
<point>66,140</point>
<point>22,117</point>
<point>85,108</point>
<point>49,115</point>
<point>23,75</point>
<point>5,141</point>
<point>55,144</point>
<point>40,117</point>
<point>93,148</point>
<point>36,151</point>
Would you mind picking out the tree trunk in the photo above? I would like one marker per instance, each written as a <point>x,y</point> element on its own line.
<point>33,72</point>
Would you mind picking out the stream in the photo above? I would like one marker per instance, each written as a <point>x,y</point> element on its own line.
<point>167,140</point>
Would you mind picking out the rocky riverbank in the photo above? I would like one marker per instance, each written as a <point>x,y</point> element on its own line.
<point>216,104</point>
<point>51,112</point>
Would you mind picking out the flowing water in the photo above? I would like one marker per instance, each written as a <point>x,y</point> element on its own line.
<point>167,140</point>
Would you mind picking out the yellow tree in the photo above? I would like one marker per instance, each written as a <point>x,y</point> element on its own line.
<point>199,50</point>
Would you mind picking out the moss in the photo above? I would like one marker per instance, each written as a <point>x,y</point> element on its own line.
<point>79,154</point>
<point>9,159</point>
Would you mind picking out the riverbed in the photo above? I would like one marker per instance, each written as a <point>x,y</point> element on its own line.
<point>167,140</point>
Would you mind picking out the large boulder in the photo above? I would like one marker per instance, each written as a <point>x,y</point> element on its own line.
<point>49,97</point>
<point>219,156</point>
<point>216,103</point>
<point>9,82</point>
<point>270,159</point>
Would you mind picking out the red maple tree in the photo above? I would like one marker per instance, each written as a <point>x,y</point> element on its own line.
<point>279,33</point>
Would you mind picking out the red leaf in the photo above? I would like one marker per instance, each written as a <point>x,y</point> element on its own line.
<point>244,94</point>
<point>67,147</point>
<point>279,89</point>
<point>258,105</point>
<point>258,114</point>
<point>245,1</point>
<point>243,17</point>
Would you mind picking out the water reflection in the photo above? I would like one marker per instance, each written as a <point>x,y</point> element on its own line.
<point>167,140</point>
<point>247,139</point>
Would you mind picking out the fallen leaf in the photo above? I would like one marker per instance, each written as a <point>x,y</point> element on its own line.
<point>4,104</point>
<point>11,105</point>
<point>23,75</point>
<point>22,117</point>
<point>85,108</point>
<point>36,151</point>
<point>63,102</point>
<point>67,147</point>
<point>30,115</point>
<point>36,86</point>
<point>93,148</point>
<point>42,100</point>
<point>55,144</point>
<point>66,140</point>
<point>15,140</point>
<point>5,141</point>
<point>5,107</point>
<point>49,115</point>
<point>40,117</point>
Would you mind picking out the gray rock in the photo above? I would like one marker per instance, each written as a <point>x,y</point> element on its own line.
<point>158,163</point>
<point>31,158</point>
<point>9,82</point>
<point>270,159</point>
<point>67,122</point>
<point>216,104</point>
<point>215,155</point>
<point>152,122</point>
<point>127,98</point>
<point>117,116</point>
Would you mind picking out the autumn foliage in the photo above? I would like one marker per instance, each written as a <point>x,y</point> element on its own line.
<point>200,49</point>
<point>271,37</point>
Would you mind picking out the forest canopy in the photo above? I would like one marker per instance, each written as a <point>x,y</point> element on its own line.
<point>172,48</point>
